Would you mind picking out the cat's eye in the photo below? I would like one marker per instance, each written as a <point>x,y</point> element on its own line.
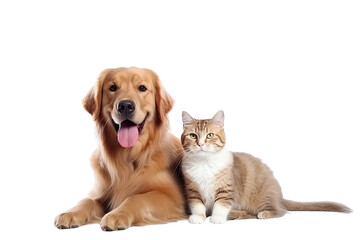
<point>193,136</point>
<point>210,136</point>
<point>113,88</point>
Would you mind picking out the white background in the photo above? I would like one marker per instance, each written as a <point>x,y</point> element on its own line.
<point>286,73</point>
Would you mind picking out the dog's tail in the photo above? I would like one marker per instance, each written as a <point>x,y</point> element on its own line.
<point>315,206</point>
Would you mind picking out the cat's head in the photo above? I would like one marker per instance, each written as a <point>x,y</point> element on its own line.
<point>203,136</point>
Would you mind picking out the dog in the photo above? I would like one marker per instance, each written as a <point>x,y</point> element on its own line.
<point>136,164</point>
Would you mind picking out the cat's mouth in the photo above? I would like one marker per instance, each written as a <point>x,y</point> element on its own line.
<point>201,150</point>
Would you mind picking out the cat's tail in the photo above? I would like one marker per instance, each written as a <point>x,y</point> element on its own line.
<point>315,206</point>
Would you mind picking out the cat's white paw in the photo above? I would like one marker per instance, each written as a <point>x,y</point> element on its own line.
<point>218,219</point>
<point>196,219</point>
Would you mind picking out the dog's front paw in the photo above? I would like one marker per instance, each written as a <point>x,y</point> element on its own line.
<point>69,220</point>
<point>115,221</point>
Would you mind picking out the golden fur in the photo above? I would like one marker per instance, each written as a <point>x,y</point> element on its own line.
<point>137,185</point>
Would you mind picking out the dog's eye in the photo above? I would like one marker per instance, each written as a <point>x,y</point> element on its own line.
<point>113,88</point>
<point>142,88</point>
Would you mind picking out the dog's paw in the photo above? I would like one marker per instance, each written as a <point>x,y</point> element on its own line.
<point>69,220</point>
<point>218,219</point>
<point>115,221</point>
<point>196,219</point>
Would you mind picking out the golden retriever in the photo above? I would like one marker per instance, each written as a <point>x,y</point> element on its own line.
<point>136,163</point>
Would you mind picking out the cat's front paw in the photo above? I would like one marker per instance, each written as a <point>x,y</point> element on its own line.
<point>218,219</point>
<point>196,219</point>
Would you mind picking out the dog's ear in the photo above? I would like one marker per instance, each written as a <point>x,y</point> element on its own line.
<point>92,100</point>
<point>164,102</point>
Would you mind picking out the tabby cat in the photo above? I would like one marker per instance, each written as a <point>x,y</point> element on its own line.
<point>227,185</point>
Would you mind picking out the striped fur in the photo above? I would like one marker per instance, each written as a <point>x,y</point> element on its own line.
<point>226,185</point>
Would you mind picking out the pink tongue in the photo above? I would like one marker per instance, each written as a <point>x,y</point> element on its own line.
<point>128,134</point>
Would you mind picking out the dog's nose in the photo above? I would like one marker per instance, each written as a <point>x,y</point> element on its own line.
<point>126,107</point>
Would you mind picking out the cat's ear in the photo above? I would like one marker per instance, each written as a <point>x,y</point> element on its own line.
<point>187,119</point>
<point>218,119</point>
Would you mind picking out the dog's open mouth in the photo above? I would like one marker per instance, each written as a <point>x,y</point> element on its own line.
<point>128,132</point>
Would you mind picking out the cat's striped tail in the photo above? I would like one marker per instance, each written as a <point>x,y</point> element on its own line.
<point>315,206</point>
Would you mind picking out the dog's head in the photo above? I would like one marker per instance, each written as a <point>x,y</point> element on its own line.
<point>131,99</point>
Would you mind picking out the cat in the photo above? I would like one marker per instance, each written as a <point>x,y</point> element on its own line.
<point>226,185</point>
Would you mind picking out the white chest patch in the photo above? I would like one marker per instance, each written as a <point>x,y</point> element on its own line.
<point>202,169</point>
